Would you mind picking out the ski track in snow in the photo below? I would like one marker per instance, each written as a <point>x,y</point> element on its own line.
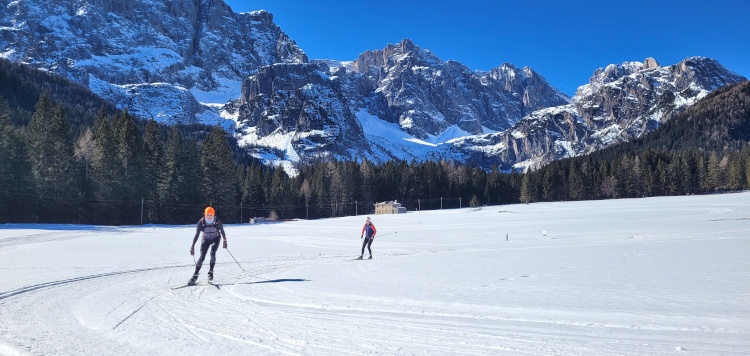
<point>625,277</point>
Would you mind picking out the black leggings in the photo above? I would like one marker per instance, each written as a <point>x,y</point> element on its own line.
<point>367,242</point>
<point>214,243</point>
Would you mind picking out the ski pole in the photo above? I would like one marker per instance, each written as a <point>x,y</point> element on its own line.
<point>235,260</point>
<point>194,261</point>
<point>390,233</point>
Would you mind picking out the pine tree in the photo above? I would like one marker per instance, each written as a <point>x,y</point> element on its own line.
<point>130,153</point>
<point>319,184</point>
<point>367,171</point>
<point>526,189</point>
<point>352,186</point>
<point>239,180</point>
<point>674,180</point>
<point>491,188</point>
<point>252,190</point>
<point>735,175</point>
<point>50,156</point>
<point>637,176</point>
<point>266,187</point>
<point>219,184</point>
<point>335,188</point>
<point>305,191</point>
<point>703,177</point>
<point>715,176</point>
<point>180,181</point>
<point>129,187</point>
<point>279,189</point>
<point>551,184</point>
<point>104,169</point>
<point>14,170</point>
<point>609,187</point>
<point>478,182</point>
<point>576,189</point>
<point>689,170</point>
<point>169,179</point>
<point>405,189</point>
<point>85,152</point>
<point>152,166</point>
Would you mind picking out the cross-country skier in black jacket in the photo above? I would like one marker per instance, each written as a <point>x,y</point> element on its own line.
<point>213,231</point>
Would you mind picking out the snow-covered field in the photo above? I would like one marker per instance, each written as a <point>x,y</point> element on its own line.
<point>656,276</point>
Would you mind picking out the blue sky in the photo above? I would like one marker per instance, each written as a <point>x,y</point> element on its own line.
<point>564,41</point>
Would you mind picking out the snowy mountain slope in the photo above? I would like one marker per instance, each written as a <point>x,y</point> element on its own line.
<point>652,276</point>
<point>621,102</point>
<point>411,102</point>
<point>425,95</point>
<point>303,103</point>
<point>419,107</point>
<point>198,48</point>
<point>185,62</point>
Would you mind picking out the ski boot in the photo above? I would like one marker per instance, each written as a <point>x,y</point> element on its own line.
<point>211,277</point>
<point>359,258</point>
<point>369,258</point>
<point>192,280</point>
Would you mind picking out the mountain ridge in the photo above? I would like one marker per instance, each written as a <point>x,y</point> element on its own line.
<point>199,61</point>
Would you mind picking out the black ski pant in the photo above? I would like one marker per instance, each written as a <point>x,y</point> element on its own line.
<point>368,243</point>
<point>214,244</point>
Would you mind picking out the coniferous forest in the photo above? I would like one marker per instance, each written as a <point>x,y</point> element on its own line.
<point>68,157</point>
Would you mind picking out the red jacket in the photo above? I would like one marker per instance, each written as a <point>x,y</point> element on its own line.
<point>371,231</point>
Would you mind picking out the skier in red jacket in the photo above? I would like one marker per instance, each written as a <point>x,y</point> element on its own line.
<point>368,231</point>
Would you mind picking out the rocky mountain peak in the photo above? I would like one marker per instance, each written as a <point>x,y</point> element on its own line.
<point>179,61</point>
<point>404,53</point>
<point>121,47</point>
<point>614,72</point>
<point>650,63</point>
<point>262,16</point>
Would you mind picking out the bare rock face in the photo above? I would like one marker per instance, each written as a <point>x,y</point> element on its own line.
<point>195,45</point>
<point>402,84</point>
<point>650,63</point>
<point>426,95</point>
<point>644,96</point>
<point>173,60</point>
<point>620,103</point>
<point>301,103</point>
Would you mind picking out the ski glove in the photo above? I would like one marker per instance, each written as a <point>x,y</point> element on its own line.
<point>225,243</point>
<point>192,250</point>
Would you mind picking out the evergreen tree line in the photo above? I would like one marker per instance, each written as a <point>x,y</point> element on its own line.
<point>342,188</point>
<point>121,171</point>
<point>116,173</point>
<point>106,173</point>
<point>635,175</point>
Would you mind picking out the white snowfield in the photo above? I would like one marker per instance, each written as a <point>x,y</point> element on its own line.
<point>654,276</point>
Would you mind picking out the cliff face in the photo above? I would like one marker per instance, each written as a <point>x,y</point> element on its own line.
<point>301,105</point>
<point>620,103</point>
<point>197,61</point>
<point>426,96</point>
<point>122,47</point>
<point>421,95</point>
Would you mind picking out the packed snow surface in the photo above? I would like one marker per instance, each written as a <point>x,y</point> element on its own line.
<point>654,276</point>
